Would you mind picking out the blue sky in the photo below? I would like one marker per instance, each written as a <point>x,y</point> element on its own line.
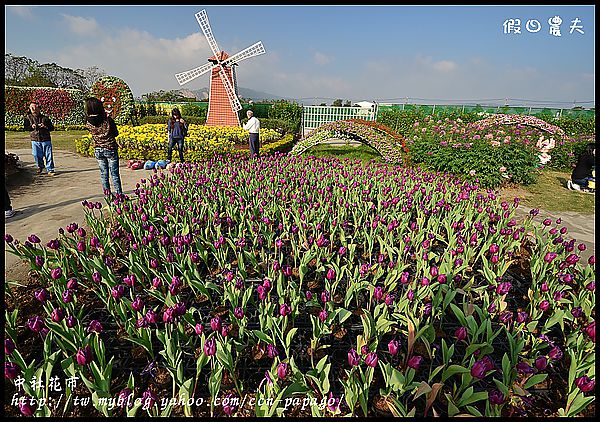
<point>350,52</point>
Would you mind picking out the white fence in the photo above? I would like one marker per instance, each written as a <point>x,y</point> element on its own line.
<point>315,116</point>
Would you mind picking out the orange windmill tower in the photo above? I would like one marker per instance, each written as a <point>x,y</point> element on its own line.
<point>223,102</point>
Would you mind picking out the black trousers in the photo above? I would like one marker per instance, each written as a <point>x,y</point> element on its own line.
<point>254,145</point>
<point>179,147</point>
<point>7,205</point>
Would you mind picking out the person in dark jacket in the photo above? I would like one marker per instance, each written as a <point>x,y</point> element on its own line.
<point>582,173</point>
<point>39,127</point>
<point>177,129</point>
<point>104,133</point>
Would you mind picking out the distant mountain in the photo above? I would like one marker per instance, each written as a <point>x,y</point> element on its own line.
<point>247,93</point>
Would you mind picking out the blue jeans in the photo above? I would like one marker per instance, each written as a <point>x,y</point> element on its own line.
<point>172,143</point>
<point>583,182</point>
<point>108,161</point>
<point>42,150</point>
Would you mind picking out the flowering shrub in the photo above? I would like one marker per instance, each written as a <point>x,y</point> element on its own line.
<point>362,289</point>
<point>63,106</point>
<point>150,141</point>
<point>495,150</point>
<point>116,97</point>
<point>390,145</point>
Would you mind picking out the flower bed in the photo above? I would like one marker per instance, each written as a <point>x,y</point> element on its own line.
<point>493,151</point>
<point>328,287</point>
<point>150,141</point>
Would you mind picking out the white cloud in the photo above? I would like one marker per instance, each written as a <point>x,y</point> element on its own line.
<point>322,59</point>
<point>21,11</point>
<point>80,25</point>
<point>444,66</point>
<point>147,63</point>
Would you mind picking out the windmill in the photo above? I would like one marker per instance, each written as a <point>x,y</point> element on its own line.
<point>223,102</point>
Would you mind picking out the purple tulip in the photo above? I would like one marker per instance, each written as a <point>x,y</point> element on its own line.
<point>592,260</point>
<point>137,304</point>
<point>524,368</point>
<point>285,309</point>
<point>308,295</point>
<point>378,293</point>
<point>238,312</point>
<point>522,317</point>
<point>393,347</point>
<point>34,239</point>
<point>323,315</point>
<point>71,321</point>
<point>9,347</point>
<point>503,288</point>
<point>442,278</point>
<point>25,406</point>
<point>11,370</point>
<point>84,356</point>
<point>72,284</point>
<point>57,315</point>
<point>549,257</point>
<point>404,277</point>
<point>410,295</point>
<point>262,292</point>
<point>123,397</point>
<point>415,362</point>
<point>389,299</point>
<point>129,280</point>
<point>544,305</point>
<point>67,296</point>
<point>541,363</point>
<point>585,384</point>
<point>287,270</point>
<point>35,324</point>
<point>96,277</point>
<point>494,248</point>
<point>199,329</point>
<point>461,333</point>
<point>342,251</point>
<point>282,370</point>
<point>118,291</point>
<point>371,359</point>
<point>149,398</point>
<point>330,274</point>
<point>577,312</point>
<point>496,397</point>
<point>325,296</point>
<point>56,273</point>
<point>272,351</point>
<point>555,353</point>
<point>95,326</point>
<point>591,331</point>
<point>479,369</point>
<point>42,295</point>
<point>215,323</point>
<point>591,286</point>
<point>179,309</point>
<point>210,347</point>
<point>151,317</point>
<point>544,287</point>
<point>8,238</point>
<point>39,261</point>
<point>353,358</point>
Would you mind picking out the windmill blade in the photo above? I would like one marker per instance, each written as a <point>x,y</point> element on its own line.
<point>202,19</point>
<point>233,99</point>
<point>254,50</point>
<point>188,75</point>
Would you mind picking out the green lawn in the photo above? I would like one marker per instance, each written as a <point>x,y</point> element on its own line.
<point>61,140</point>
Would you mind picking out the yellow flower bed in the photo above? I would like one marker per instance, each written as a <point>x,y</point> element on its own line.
<point>150,141</point>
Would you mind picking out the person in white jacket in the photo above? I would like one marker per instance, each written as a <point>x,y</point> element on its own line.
<point>253,126</point>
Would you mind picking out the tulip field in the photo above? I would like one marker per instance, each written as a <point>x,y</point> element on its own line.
<point>292,285</point>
